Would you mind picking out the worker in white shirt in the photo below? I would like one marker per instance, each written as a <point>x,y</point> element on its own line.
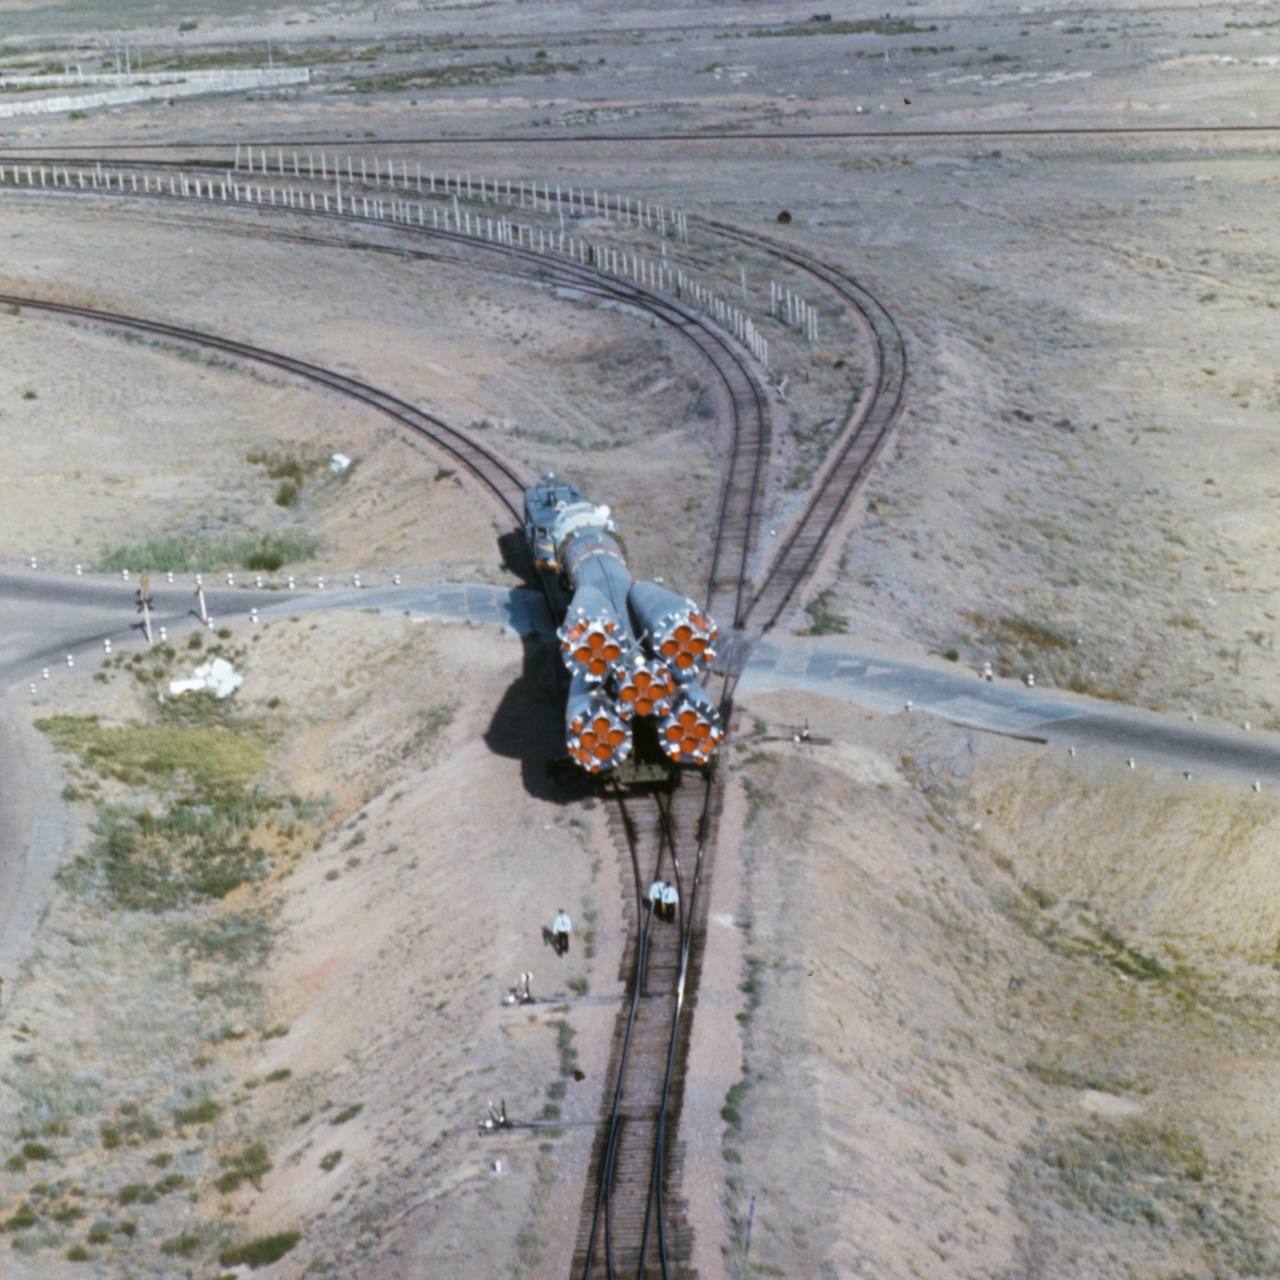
<point>655,898</point>
<point>669,899</point>
<point>561,927</point>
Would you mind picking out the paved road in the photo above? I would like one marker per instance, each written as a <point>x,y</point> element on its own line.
<point>44,617</point>
<point>828,666</point>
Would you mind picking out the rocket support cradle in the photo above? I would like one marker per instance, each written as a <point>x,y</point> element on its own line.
<point>633,649</point>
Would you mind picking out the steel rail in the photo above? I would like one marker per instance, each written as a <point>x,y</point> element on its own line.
<point>710,135</point>
<point>501,477</point>
<point>701,333</point>
<point>604,1198</point>
<point>864,436</point>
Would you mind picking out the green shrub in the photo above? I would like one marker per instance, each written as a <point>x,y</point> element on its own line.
<point>185,553</point>
<point>203,1112</point>
<point>330,1162</point>
<point>262,1251</point>
<point>348,1113</point>
<point>247,1166</point>
<point>183,1246</point>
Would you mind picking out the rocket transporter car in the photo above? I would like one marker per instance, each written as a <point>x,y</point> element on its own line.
<point>634,650</point>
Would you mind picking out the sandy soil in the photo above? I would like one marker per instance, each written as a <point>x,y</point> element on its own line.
<point>1016,1020</point>
<point>382,909</point>
<point>1012,1044</point>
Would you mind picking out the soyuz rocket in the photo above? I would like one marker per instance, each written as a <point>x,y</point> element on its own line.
<point>633,649</point>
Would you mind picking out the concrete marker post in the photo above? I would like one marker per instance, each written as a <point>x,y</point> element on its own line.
<point>144,604</point>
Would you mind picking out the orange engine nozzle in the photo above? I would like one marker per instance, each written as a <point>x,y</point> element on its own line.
<point>693,730</point>
<point>593,646</point>
<point>645,688</point>
<point>596,735</point>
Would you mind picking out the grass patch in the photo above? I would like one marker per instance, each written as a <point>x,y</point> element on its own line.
<point>248,1165</point>
<point>1028,637</point>
<point>1149,1177</point>
<point>330,1162</point>
<point>183,1246</point>
<point>203,1112</point>
<point>348,1113</point>
<point>823,620</point>
<point>461,75</point>
<point>188,553</point>
<point>262,1251</point>
<point>886,26</point>
<point>197,843</point>
<point>212,759</point>
<point>1068,1078</point>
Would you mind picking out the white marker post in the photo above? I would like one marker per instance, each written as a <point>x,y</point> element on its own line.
<point>144,605</point>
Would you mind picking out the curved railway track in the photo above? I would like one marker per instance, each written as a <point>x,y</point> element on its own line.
<point>748,425</point>
<point>633,1219</point>
<point>504,480</point>
<point>862,438</point>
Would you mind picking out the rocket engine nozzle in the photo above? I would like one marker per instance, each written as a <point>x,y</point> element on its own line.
<point>595,734</point>
<point>645,688</point>
<point>678,632</point>
<point>591,646</point>
<point>693,730</point>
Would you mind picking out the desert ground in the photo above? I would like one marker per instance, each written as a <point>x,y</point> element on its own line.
<point>968,1008</point>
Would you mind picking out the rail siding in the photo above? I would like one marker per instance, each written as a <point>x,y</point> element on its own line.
<point>185,84</point>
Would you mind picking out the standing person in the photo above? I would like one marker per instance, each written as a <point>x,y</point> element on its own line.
<point>655,898</point>
<point>669,899</point>
<point>561,927</point>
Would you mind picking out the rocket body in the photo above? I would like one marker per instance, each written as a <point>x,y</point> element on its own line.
<point>633,649</point>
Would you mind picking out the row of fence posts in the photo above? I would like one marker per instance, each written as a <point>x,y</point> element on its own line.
<point>785,305</point>
<point>515,192</point>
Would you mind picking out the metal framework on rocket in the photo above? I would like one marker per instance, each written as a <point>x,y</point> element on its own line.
<point>633,649</point>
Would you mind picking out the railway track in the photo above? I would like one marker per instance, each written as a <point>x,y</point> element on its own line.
<point>633,1219</point>
<point>747,421</point>
<point>504,481</point>
<point>860,442</point>
<point>637,1160</point>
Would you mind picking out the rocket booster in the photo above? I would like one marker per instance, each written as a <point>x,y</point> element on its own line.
<point>633,649</point>
<point>676,628</point>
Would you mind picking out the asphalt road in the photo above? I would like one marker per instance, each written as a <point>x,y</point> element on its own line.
<point>43,617</point>
<point>828,666</point>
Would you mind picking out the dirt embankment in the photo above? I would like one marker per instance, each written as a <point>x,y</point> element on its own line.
<point>264,1013</point>
<point>1003,1013</point>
